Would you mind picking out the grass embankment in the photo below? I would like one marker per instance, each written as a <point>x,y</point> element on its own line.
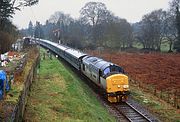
<point>59,95</point>
<point>161,109</point>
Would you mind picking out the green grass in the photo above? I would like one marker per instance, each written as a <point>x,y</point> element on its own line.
<point>164,46</point>
<point>59,95</point>
<point>15,92</point>
<point>137,45</point>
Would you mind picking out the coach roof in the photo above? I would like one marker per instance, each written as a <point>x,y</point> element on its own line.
<point>75,53</point>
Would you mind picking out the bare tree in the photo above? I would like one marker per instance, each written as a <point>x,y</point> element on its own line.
<point>175,8</point>
<point>61,17</point>
<point>170,31</point>
<point>118,34</point>
<point>152,29</point>
<point>94,13</point>
<point>174,4</point>
<point>61,21</point>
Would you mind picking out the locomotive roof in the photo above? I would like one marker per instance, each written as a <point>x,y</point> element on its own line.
<point>75,53</point>
<point>97,62</point>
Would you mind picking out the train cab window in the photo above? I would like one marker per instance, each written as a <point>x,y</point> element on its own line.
<point>117,69</point>
<point>112,70</point>
<point>106,71</point>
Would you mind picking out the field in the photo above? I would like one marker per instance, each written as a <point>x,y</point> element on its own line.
<point>157,71</point>
<point>59,95</point>
<point>160,70</point>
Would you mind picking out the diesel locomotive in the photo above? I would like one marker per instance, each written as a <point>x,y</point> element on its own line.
<point>107,76</point>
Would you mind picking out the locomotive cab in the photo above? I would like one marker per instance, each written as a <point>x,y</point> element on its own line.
<point>112,69</point>
<point>117,86</point>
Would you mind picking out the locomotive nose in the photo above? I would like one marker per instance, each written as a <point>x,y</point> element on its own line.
<point>117,83</point>
<point>117,87</point>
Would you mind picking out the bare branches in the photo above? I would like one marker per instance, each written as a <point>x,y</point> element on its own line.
<point>94,13</point>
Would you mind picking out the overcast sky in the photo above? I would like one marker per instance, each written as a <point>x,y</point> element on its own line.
<point>132,10</point>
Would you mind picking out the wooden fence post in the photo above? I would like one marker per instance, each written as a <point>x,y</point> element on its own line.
<point>154,91</point>
<point>168,97</point>
<point>44,56</point>
<point>178,99</point>
<point>161,94</point>
<point>139,84</point>
<point>50,55</point>
<point>175,99</point>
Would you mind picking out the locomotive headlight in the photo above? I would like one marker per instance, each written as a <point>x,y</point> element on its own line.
<point>125,86</point>
<point>118,86</point>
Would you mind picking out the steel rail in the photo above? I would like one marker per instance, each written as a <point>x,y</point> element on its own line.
<point>131,113</point>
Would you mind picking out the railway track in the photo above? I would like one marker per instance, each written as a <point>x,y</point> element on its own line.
<point>130,113</point>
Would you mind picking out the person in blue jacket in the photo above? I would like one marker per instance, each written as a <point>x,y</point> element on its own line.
<point>3,79</point>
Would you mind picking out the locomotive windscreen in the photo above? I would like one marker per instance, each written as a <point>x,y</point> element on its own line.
<point>112,69</point>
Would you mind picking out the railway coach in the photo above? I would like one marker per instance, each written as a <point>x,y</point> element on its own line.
<point>107,76</point>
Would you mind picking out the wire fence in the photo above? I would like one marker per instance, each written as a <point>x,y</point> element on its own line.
<point>170,96</point>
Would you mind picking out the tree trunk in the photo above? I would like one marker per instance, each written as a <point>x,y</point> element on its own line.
<point>170,46</point>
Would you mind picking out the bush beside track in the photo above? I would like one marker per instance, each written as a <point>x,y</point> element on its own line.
<point>59,95</point>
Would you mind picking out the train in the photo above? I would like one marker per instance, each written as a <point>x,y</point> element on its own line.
<point>107,76</point>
